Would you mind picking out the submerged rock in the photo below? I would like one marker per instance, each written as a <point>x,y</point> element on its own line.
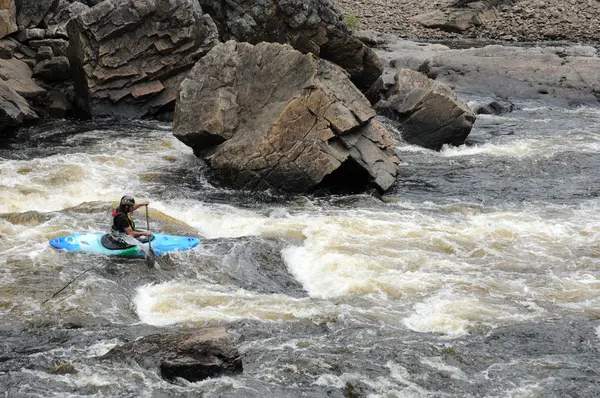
<point>268,116</point>
<point>193,356</point>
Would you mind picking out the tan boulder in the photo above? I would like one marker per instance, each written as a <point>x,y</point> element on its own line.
<point>268,116</point>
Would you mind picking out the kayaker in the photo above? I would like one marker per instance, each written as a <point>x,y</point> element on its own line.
<point>123,223</point>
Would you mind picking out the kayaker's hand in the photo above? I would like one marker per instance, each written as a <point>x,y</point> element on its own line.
<point>147,233</point>
<point>145,203</point>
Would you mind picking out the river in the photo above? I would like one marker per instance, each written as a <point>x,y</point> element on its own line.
<point>476,275</point>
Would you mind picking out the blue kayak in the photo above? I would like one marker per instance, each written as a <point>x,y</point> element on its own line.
<point>100,243</point>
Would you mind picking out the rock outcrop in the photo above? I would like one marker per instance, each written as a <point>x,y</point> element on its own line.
<point>128,58</point>
<point>561,76</point>
<point>268,116</point>
<point>429,113</point>
<point>193,356</point>
<point>310,26</point>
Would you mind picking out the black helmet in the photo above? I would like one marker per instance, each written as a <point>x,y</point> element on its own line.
<point>127,201</point>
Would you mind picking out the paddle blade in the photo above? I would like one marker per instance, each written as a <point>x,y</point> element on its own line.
<point>150,258</point>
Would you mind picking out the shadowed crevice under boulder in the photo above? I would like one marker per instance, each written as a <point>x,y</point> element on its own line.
<point>268,116</point>
<point>193,356</point>
<point>310,26</point>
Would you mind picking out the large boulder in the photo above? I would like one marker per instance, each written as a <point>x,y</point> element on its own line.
<point>8,17</point>
<point>193,356</point>
<point>268,116</point>
<point>128,58</point>
<point>428,112</point>
<point>314,26</point>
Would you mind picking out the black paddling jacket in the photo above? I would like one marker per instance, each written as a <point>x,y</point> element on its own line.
<point>122,220</point>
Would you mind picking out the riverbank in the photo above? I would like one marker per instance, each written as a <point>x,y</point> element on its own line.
<point>506,20</point>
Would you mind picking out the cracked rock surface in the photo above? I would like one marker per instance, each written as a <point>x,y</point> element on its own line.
<point>276,118</point>
<point>128,58</point>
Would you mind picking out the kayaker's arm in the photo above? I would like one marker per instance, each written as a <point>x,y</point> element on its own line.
<point>135,234</point>
<point>135,207</point>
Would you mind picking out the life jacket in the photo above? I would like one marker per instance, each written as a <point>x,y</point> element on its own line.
<point>114,214</point>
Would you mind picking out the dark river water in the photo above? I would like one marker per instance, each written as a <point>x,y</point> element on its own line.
<point>476,275</point>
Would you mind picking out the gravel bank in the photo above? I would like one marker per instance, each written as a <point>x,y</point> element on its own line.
<point>524,20</point>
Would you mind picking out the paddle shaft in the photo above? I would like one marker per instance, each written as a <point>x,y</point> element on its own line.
<point>148,229</point>
<point>150,255</point>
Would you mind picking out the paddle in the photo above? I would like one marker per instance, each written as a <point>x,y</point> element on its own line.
<point>150,256</point>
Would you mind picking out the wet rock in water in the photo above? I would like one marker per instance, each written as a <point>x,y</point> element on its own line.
<point>429,113</point>
<point>134,68</point>
<point>268,116</point>
<point>310,26</point>
<point>59,105</point>
<point>193,356</point>
<point>256,264</point>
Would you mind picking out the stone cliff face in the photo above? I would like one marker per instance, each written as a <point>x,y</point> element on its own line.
<point>129,57</point>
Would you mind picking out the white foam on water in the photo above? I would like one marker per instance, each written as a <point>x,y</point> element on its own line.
<point>181,303</point>
<point>439,364</point>
<point>60,181</point>
<point>412,256</point>
<point>382,386</point>
<point>454,315</point>
<point>101,173</point>
<point>540,148</point>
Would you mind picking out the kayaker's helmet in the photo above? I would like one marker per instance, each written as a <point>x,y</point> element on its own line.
<point>127,201</point>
